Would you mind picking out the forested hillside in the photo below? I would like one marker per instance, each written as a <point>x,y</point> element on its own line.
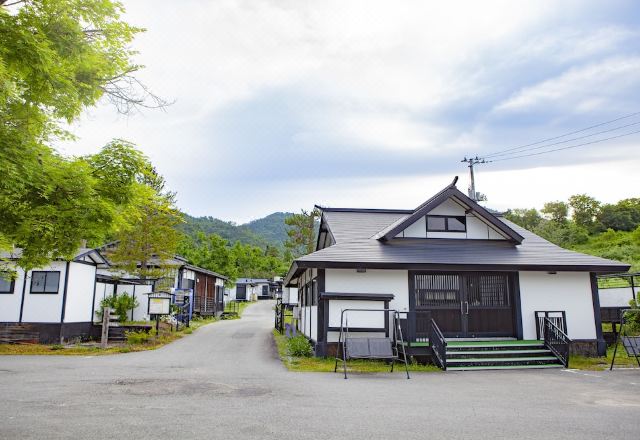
<point>267,231</point>
<point>586,225</point>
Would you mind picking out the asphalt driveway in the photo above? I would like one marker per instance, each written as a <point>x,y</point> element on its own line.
<point>225,381</point>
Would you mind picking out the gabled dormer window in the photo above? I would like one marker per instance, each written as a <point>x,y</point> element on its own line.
<point>445,223</point>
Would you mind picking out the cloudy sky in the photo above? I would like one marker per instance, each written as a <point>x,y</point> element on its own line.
<point>280,105</point>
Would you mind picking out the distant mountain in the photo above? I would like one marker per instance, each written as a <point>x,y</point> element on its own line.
<point>268,231</point>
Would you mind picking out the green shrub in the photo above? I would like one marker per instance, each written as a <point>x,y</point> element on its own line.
<point>139,337</point>
<point>57,347</point>
<point>121,305</point>
<point>299,346</point>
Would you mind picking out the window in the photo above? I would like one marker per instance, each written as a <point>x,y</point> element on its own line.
<point>441,223</point>
<point>45,282</point>
<point>6,283</point>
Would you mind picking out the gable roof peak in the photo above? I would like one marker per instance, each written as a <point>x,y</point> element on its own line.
<point>449,191</point>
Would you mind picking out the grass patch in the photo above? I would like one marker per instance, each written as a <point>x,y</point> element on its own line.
<point>325,365</point>
<point>238,307</point>
<point>152,342</point>
<point>603,362</point>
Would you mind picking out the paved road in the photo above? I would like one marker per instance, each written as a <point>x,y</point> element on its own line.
<point>224,381</point>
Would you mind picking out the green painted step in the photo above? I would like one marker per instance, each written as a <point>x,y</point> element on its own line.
<point>471,344</point>
<point>458,346</point>
<point>497,352</point>
<point>503,367</point>
<point>502,360</point>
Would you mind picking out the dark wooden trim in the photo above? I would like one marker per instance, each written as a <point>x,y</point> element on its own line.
<point>360,329</point>
<point>93,300</point>
<point>24,290</point>
<point>386,319</point>
<point>64,291</point>
<point>323,312</point>
<point>515,279</point>
<point>324,296</point>
<point>602,345</point>
<point>302,264</point>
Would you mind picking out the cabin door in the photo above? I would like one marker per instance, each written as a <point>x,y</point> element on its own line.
<point>241,292</point>
<point>466,304</point>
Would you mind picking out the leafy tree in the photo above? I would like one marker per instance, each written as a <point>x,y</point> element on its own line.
<point>623,216</point>
<point>563,234</point>
<point>151,236</point>
<point>58,57</point>
<point>556,211</point>
<point>302,232</point>
<point>585,209</point>
<point>527,218</point>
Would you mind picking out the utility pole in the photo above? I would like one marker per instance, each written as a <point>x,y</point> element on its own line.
<point>473,195</point>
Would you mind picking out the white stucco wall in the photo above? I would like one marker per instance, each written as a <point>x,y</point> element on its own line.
<point>10,302</point>
<point>82,279</point>
<point>568,291</point>
<point>371,281</point>
<point>448,207</point>
<point>309,322</point>
<point>290,295</point>
<point>355,319</point>
<point>40,307</point>
<point>102,291</point>
<point>616,297</point>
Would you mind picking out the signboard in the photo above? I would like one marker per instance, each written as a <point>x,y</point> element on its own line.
<point>159,306</point>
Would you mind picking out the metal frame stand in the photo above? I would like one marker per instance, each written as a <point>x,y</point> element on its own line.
<point>628,343</point>
<point>348,349</point>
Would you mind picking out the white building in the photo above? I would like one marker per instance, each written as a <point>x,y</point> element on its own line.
<point>476,274</point>
<point>54,301</point>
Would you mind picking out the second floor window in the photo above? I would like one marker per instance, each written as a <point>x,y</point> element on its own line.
<point>442,223</point>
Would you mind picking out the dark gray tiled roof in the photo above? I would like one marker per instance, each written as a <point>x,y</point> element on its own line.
<point>354,247</point>
<point>353,225</point>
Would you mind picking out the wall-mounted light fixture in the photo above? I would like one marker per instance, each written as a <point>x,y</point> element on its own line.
<point>361,270</point>
<point>552,273</point>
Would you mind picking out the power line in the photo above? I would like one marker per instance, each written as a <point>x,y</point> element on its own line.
<point>561,136</point>
<point>567,140</point>
<point>565,148</point>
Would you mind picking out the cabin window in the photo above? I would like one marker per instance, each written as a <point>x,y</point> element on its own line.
<point>441,223</point>
<point>45,282</point>
<point>6,283</point>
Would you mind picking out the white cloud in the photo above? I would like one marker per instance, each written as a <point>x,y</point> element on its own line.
<point>601,83</point>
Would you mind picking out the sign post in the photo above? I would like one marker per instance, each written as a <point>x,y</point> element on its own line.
<point>159,305</point>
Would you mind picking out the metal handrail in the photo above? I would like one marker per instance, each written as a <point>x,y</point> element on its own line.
<point>557,341</point>
<point>438,344</point>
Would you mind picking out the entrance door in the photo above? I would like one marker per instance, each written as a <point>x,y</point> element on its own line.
<point>466,304</point>
<point>241,292</point>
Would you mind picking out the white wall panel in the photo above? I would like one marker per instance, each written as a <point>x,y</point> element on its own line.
<point>10,302</point>
<point>568,291</point>
<point>448,207</point>
<point>417,229</point>
<point>82,278</point>
<point>371,281</point>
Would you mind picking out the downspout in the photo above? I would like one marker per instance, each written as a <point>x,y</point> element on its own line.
<point>24,289</point>
<point>64,298</point>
